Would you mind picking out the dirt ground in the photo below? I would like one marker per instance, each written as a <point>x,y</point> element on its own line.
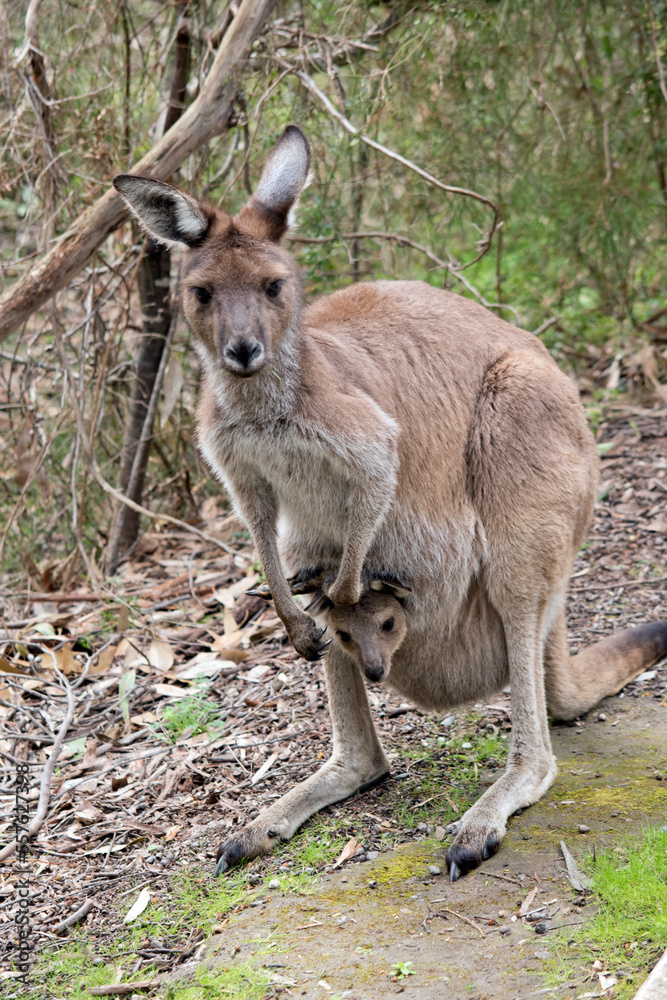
<point>127,808</point>
<point>465,940</point>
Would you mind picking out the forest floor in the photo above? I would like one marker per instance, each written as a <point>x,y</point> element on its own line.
<point>190,711</point>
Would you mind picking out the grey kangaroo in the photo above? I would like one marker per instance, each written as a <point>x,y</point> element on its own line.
<point>394,429</point>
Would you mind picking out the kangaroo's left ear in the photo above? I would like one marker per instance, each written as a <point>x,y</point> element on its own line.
<point>271,208</point>
<point>168,214</point>
<point>392,586</point>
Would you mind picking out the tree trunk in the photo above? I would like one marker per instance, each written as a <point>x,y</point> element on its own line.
<point>206,117</point>
<point>155,296</point>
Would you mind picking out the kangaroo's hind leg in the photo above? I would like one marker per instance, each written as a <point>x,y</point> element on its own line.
<point>357,760</point>
<point>530,767</point>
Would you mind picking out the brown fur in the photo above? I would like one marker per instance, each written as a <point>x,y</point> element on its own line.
<point>394,429</point>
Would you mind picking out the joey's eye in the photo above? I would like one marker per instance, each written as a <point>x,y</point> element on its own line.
<point>202,295</point>
<point>388,625</point>
<point>343,636</point>
<point>273,290</point>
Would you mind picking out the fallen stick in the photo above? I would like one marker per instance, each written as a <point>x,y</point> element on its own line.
<point>74,918</point>
<point>49,767</point>
<point>122,989</point>
<point>466,920</point>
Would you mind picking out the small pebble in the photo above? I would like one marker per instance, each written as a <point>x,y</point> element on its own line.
<point>359,857</point>
<point>439,833</point>
<point>540,928</point>
<point>359,852</point>
<point>422,827</point>
<point>258,902</point>
<point>372,855</point>
<point>308,871</point>
<point>274,884</point>
<point>583,828</point>
<point>372,884</point>
<point>505,929</point>
<point>449,721</point>
<point>602,717</point>
<point>434,870</point>
<point>466,746</point>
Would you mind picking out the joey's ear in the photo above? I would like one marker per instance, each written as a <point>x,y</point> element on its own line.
<point>166,213</point>
<point>272,206</point>
<point>391,586</point>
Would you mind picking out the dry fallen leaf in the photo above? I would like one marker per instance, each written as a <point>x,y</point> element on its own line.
<point>138,908</point>
<point>160,655</point>
<point>348,852</point>
<point>172,832</point>
<point>100,664</point>
<point>227,596</point>
<point>525,906</point>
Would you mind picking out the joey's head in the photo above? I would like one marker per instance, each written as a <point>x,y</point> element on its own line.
<point>240,288</point>
<point>370,631</point>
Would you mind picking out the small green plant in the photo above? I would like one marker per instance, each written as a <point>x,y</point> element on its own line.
<point>402,970</point>
<point>193,713</point>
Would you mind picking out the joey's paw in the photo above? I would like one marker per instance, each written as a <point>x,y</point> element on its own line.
<point>308,643</point>
<point>470,848</point>
<point>250,843</point>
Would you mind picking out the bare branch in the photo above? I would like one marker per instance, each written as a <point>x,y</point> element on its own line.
<point>484,244</point>
<point>206,117</point>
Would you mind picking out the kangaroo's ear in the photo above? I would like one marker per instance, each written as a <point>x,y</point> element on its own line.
<point>167,214</point>
<point>271,209</point>
<point>390,585</point>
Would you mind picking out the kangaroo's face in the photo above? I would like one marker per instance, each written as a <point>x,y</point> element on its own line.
<point>241,295</point>
<point>370,631</point>
<point>241,292</point>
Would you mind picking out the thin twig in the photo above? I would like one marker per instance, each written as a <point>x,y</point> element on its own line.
<point>439,913</point>
<point>485,243</point>
<point>656,51</point>
<point>49,767</point>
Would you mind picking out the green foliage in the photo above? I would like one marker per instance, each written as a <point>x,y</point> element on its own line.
<point>629,930</point>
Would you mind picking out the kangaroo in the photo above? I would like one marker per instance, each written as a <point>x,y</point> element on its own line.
<point>394,429</point>
<point>370,631</point>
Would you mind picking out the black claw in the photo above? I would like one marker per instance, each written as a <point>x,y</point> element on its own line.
<point>486,853</point>
<point>221,866</point>
<point>454,872</point>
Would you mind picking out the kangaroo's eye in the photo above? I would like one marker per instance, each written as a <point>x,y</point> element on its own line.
<point>202,295</point>
<point>273,290</point>
<point>344,636</point>
<point>388,625</point>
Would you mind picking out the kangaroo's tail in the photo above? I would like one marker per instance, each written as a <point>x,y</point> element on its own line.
<point>574,684</point>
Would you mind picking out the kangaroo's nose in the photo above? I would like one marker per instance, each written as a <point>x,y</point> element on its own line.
<point>374,672</point>
<point>243,352</point>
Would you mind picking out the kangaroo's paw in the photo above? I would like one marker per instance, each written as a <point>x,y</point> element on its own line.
<point>481,829</point>
<point>474,844</point>
<point>307,639</point>
<point>256,839</point>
